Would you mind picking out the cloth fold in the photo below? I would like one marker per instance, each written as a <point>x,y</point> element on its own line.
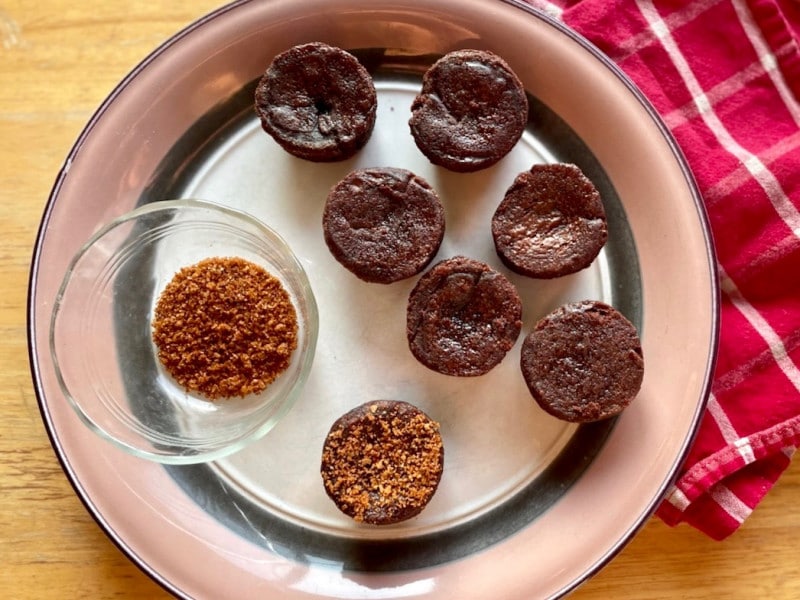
<point>725,77</point>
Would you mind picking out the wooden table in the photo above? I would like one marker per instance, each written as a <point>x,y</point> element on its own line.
<point>58,60</point>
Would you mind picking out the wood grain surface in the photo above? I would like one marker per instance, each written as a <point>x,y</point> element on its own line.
<point>58,60</point>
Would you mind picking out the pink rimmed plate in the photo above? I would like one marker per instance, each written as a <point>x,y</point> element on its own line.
<point>529,507</point>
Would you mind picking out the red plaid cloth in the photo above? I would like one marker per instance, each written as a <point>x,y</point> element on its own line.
<point>725,77</point>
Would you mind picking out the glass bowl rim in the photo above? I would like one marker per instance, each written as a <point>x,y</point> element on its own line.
<point>306,343</point>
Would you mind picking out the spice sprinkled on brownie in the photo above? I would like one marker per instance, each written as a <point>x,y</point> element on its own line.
<point>382,462</point>
<point>225,327</point>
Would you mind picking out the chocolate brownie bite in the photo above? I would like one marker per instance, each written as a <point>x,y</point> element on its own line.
<point>583,362</point>
<point>318,102</point>
<point>382,462</point>
<point>551,222</point>
<point>462,317</point>
<point>471,111</point>
<point>383,224</point>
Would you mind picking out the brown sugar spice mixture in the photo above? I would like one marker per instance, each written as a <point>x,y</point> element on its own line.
<point>382,462</point>
<point>224,327</point>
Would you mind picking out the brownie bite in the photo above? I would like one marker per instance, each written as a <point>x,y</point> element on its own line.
<point>318,102</point>
<point>382,462</point>
<point>583,362</point>
<point>551,222</point>
<point>462,317</point>
<point>471,111</point>
<point>383,224</point>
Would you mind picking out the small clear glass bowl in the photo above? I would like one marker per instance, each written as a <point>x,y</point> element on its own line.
<point>101,332</point>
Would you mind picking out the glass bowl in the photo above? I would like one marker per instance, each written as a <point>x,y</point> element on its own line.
<point>101,332</point>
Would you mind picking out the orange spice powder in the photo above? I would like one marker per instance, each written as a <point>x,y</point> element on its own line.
<point>225,327</point>
<point>382,462</point>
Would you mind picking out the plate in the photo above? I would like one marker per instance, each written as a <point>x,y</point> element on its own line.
<point>528,506</point>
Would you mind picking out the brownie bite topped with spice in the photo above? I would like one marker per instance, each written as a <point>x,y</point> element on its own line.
<point>550,223</point>
<point>462,317</point>
<point>583,362</point>
<point>382,462</point>
<point>383,224</point>
<point>224,327</point>
<point>471,111</point>
<point>318,102</point>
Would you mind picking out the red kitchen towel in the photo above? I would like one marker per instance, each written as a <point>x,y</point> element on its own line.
<point>725,77</point>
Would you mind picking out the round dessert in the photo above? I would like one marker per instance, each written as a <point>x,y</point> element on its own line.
<point>471,111</point>
<point>383,224</point>
<point>550,223</point>
<point>462,317</point>
<point>318,102</point>
<point>382,462</point>
<point>583,362</point>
